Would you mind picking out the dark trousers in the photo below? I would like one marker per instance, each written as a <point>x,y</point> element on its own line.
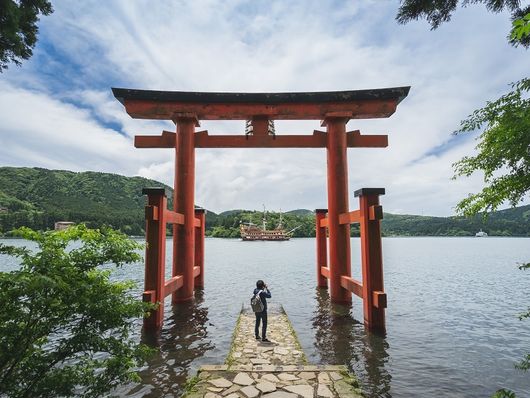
<point>261,316</point>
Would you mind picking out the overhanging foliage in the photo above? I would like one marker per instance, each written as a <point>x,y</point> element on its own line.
<point>503,151</point>
<point>18,29</point>
<point>64,325</point>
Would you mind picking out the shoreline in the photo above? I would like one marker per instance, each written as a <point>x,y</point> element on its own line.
<point>313,237</point>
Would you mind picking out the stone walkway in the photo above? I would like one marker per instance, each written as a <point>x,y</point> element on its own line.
<point>277,369</point>
<point>283,348</point>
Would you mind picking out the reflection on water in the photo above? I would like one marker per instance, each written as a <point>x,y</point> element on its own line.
<point>340,339</point>
<point>183,339</point>
<point>375,359</point>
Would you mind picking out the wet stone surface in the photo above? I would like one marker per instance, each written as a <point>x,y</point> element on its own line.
<point>283,348</point>
<point>279,369</point>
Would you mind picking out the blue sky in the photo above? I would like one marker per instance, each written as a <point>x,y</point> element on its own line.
<point>57,110</point>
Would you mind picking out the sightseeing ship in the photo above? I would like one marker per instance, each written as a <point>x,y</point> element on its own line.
<point>250,231</point>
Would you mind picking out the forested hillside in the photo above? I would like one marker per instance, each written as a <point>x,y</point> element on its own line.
<point>510,222</point>
<point>37,198</point>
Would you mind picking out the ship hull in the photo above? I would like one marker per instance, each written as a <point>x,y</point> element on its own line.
<point>249,239</point>
<point>258,234</point>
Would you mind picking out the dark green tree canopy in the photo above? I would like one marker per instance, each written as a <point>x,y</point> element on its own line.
<point>437,12</point>
<point>18,28</point>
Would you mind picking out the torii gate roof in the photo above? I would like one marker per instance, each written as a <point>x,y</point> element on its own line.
<point>354,104</point>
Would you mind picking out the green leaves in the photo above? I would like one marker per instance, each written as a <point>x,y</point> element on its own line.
<point>520,33</point>
<point>503,151</point>
<point>521,28</point>
<point>64,325</point>
<point>503,393</point>
<point>18,29</point>
<point>524,365</point>
<point>437,12</point>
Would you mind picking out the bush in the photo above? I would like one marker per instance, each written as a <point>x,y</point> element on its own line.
<point>64,325</point>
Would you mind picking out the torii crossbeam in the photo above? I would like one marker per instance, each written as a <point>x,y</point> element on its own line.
<point>334,109</point>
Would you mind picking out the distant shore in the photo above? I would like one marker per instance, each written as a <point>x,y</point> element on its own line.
<point>8,236</point>
<point>37,198</point>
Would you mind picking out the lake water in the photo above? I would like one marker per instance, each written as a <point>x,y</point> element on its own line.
<point>452,326</point>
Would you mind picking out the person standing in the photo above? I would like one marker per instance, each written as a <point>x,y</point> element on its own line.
<point>264,294</point>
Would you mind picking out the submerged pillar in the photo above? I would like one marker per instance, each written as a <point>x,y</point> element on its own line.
<point>155,254</point>
<point>183,202</point>
<point>339,234</point>
<point>322,246</point>
<point>200,214</point>
<point>374,298</point>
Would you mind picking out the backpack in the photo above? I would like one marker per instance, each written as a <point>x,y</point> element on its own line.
<point>256,303</point>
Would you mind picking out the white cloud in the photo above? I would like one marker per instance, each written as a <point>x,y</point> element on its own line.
<point>40,131</point>
<point>259,46</point>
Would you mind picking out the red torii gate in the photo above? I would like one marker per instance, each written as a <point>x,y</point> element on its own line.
<point>335,108</point>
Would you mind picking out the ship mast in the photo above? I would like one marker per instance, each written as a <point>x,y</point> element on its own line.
<point>280,223</point>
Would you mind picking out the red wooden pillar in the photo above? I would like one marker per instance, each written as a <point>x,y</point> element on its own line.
<point>322,247</point>
<point>200,214</point>
<point>155,254</point>
<point>339,234</point>
<point>374,298</point>
<point>184,235</point>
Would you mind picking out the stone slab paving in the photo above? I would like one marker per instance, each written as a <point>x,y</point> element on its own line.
<point>279,369</point>
<point>283,349</point>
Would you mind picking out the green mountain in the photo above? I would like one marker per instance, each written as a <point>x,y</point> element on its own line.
<point>230,212</point>
<point>37,198</point>
<point>300,212</point>
<point>509,222</point>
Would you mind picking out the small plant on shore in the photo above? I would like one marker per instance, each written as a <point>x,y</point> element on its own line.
<point>191,385</point>
<point>230,358</point>
<point>64,325</point>
<point>504,393</point>
<point>350,378</point>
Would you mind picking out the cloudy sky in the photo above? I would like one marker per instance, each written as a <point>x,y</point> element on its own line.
<point>57,111</point>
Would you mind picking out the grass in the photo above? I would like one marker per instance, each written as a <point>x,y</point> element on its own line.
<point>350,379</point>
<point>230,359</point>
<point>191,385</point>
